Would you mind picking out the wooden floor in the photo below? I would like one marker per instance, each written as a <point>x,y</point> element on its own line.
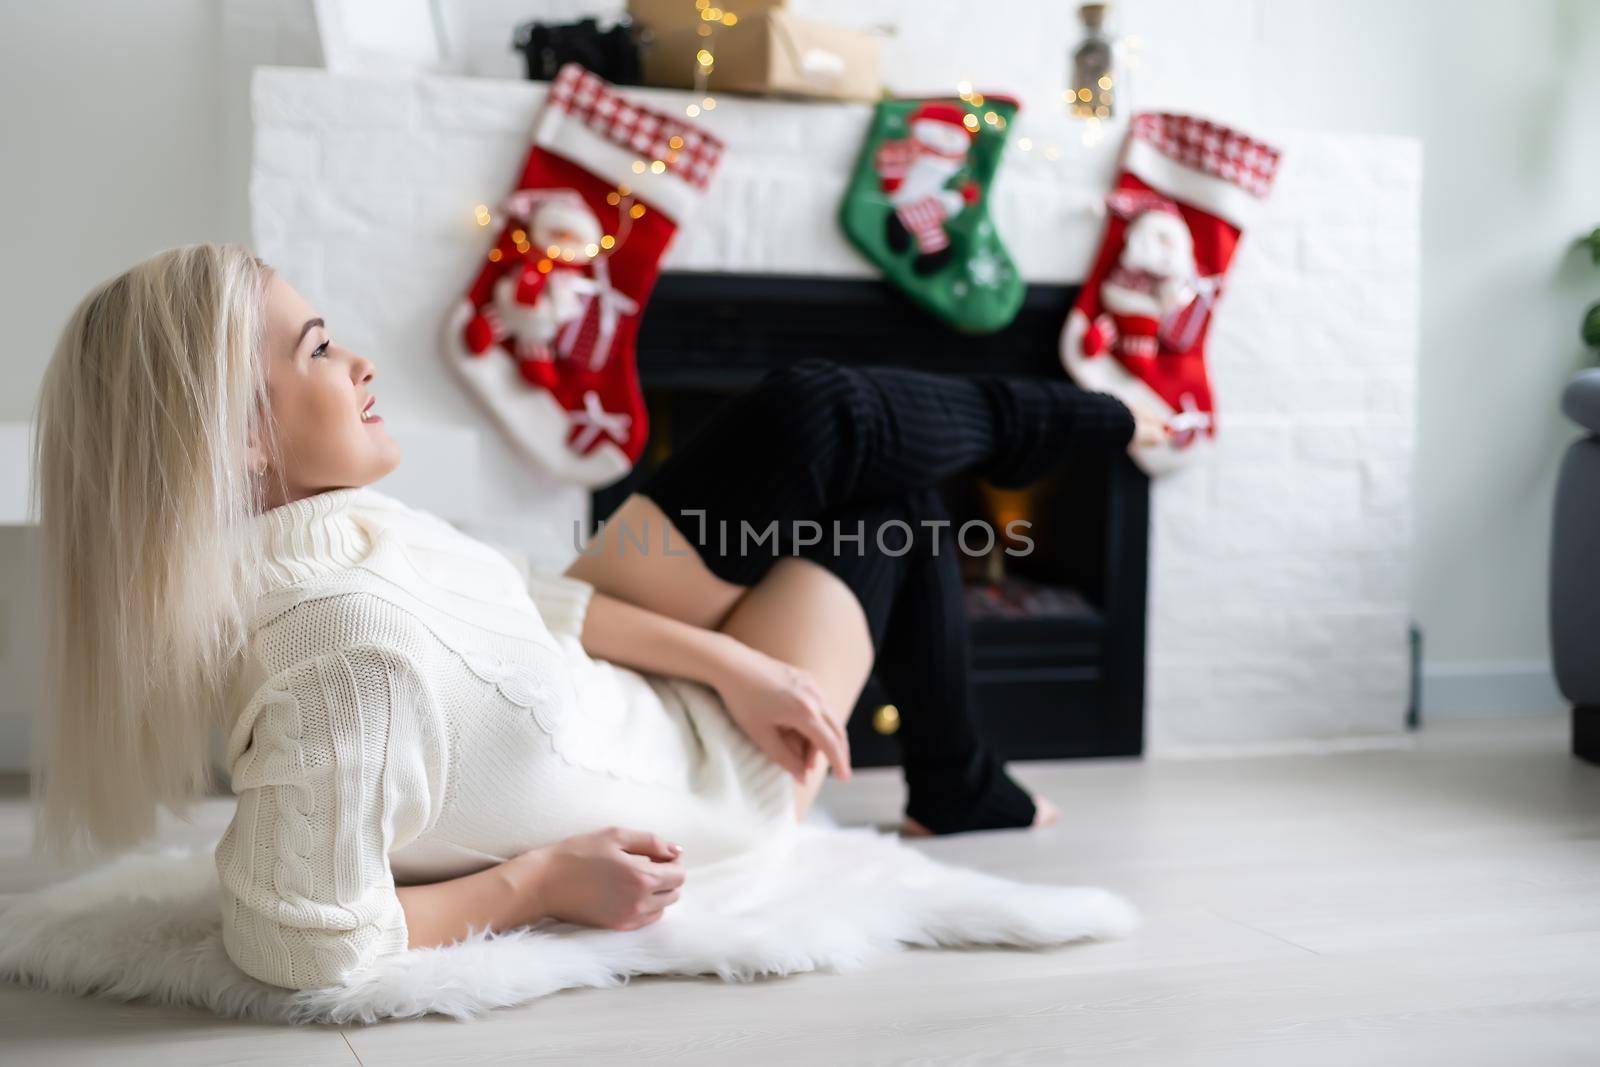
<point>1436,903</point>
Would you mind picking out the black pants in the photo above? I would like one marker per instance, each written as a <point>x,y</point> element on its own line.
<point>816,453</point>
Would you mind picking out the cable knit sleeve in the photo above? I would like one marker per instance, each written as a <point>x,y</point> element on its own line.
<point>334,764</point>
<point>562,601</point>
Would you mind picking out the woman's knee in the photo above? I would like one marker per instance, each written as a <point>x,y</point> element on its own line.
<point>873,546</point>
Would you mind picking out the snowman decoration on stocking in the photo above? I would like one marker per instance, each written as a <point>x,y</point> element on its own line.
<point>538,306</point>
<point>535,303</point>
<point>544,336</point>
<point>914,171</point>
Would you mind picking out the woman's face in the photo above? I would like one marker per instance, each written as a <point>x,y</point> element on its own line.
<point>326,428</point>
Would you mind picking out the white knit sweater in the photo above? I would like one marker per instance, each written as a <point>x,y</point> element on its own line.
<point>417,706</point>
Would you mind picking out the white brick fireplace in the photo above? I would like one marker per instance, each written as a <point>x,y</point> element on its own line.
<point>1278,583</point>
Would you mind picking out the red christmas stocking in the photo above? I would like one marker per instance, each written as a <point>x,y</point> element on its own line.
<point>545,336</point>
<point>1186,191</point>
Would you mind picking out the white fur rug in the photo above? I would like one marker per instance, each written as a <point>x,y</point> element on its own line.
<point>147,926</point>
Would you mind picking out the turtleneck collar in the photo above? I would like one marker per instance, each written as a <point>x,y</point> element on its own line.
<point>316,535</point>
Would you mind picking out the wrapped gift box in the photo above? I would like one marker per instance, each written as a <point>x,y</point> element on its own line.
<point>676,14</point>
<point>766,51</point>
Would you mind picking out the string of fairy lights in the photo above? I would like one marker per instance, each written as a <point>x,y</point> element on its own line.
<point>629,209</point>
<point>1089,105</point>
<point>705,60</point>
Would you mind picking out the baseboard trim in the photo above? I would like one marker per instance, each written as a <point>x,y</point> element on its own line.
<point>1482,690</point>
<point>1309,746</point>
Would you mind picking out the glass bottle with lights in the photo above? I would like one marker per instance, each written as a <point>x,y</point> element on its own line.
<point>1092,87</point>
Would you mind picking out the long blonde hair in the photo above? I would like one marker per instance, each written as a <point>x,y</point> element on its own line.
<point>145,493</point>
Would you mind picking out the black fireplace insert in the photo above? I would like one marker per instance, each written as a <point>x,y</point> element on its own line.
<point>1058,634</point>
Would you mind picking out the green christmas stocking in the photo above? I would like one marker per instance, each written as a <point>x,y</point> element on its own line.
<point>917,207</point>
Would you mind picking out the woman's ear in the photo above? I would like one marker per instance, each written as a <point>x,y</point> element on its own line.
<point>256,460</point>
<point>263,477</point>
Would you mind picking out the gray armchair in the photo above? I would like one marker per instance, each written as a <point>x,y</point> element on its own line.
<point>1574,573</point>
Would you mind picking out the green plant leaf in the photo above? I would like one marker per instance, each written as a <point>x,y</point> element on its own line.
<point>1591,326</point>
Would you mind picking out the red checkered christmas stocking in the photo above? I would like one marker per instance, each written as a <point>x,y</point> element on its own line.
<point>544,338</point>
<point>1186,191</point>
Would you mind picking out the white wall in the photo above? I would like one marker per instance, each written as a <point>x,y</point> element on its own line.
<point>118,119</point>
<point>110,130</point>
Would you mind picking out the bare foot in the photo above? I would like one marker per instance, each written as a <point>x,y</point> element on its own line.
<point>1149,428</point>
<point>1044,814</point>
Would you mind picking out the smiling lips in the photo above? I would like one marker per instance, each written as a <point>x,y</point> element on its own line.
<point>367,414</point>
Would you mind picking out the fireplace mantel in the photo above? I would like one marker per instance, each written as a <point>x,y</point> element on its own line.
<point>770,209</point>
<point>1279,571</point>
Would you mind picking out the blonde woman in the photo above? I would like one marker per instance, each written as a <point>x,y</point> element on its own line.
<point>425,738</point>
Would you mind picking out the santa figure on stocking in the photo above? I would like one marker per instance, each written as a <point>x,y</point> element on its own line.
<point>1187,190</point>
<point>1154,294</point>
<point>915,171</point>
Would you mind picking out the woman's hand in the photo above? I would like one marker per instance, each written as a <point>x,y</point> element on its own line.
<point>782,710</point>
<point>618,879</point>
<point>615,878</point>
